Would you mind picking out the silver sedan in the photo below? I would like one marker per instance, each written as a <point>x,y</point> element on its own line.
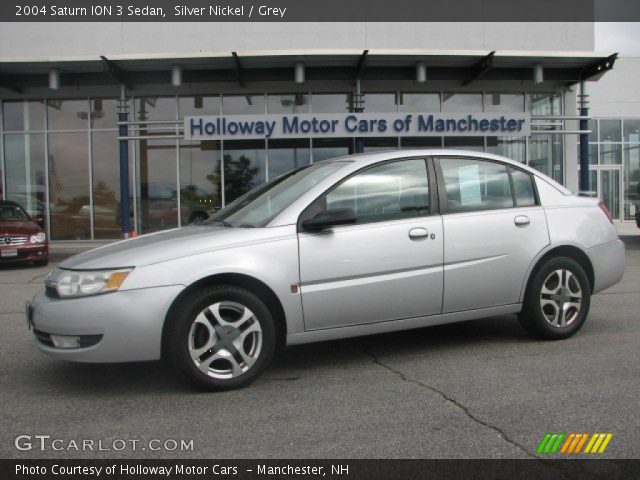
<point>350,246</point>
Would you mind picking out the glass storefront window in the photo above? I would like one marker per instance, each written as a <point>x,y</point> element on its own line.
<point>244,167</point>
<point>104,113</point>
<point>324,148</point>
<point>158,196</point>
<point>199,105</point>
<point>380,102</point>
<point>610,131</point>
<point>331,103</point>
<point>592,125</point>
<point>69,204</point>
<point>287,155</point>
<point>632,130</point>
<point>67,114</point>
<point>475,144</point>
<point>25,173</point>
<point>105,151</point>
<point>510,147</point>
<point>156,108</point>
<point>546,155</point>
<point>23,116</point>
<point>610,154</point>
<point>243,104</point>
<point>200,180</point>
<point>593,153</point>
<point>288,103</point>
<point>632,180</point>
<point>461,102</point>
<point>419,102</point>
<point>420,142</point>
<point>380,144</point>
<point>545,104</point>
<point>503,102</point>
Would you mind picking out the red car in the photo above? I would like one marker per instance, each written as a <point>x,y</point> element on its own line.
<point>21,239</point>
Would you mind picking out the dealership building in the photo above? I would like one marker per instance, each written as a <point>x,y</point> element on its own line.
<point>189,116</point>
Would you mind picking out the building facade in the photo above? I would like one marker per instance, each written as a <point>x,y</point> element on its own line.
<point>60,145</point>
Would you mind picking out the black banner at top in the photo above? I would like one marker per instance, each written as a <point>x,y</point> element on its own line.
<point>320,10</point>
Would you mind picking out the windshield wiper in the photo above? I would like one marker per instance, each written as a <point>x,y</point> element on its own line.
<point>246,225</point>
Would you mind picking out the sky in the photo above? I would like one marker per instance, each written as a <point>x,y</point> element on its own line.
<point>621,37</point>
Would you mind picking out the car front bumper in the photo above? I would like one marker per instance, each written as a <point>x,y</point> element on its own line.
<point>124,326</point>
<point>24,253</point>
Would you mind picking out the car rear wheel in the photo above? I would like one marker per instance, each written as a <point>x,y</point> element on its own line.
<point>220,338</point>
<point>557,300</point>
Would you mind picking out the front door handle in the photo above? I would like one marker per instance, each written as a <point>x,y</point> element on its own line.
<point>418,233</point>
<point>521,221</point>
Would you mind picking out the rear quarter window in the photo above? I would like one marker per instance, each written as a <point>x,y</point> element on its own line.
<point>523,188</point>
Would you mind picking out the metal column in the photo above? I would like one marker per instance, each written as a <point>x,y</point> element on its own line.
<point>358,104</point>
<point>125,209</point>
<point>583,101</point>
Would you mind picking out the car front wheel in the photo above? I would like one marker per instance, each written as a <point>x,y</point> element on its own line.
<point>220,338</point>
<point>557,300</point>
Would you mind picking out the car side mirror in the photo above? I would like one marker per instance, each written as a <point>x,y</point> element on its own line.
<point>330,218</point>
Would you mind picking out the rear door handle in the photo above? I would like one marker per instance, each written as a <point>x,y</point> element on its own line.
<point>521,221</point>
<point>418,233</point>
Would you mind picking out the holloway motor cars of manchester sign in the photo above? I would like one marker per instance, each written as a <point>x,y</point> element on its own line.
<point>228,127</point>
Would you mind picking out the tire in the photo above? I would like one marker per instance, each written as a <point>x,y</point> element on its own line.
<point>219,337</point>
<point>557,300</point>
<point>41,263</point>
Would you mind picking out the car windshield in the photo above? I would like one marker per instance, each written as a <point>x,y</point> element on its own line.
<point>13,213</point>
<point>259,206</point>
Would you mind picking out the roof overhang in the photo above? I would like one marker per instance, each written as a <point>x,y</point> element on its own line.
<point>339,64</point>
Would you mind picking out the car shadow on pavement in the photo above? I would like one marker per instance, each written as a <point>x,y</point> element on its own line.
<point>421,341</point>
<point>290,364</point>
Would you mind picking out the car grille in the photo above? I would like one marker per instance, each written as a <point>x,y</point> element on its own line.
<point>11,241</point>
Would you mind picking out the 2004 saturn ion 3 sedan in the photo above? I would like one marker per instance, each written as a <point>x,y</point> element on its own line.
<point>345,247</point>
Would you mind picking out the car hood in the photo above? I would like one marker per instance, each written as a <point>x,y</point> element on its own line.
<point>16,229</point>
<point>168,245</point>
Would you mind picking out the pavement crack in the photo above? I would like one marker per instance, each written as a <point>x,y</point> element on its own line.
<point>453,402</point>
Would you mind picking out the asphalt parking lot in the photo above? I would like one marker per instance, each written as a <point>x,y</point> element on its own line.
<point>471,390</point>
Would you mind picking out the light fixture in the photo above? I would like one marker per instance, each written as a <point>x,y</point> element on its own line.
<point>538,73</point>
<point>299,73</point>
<point>421,72</point>
<point>54,79</point>
<point>176,75</point>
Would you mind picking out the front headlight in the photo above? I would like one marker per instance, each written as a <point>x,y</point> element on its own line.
<point>38,238</point>
<point>74,283</point>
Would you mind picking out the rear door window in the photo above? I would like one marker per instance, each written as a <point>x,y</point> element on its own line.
<point>472,185</point>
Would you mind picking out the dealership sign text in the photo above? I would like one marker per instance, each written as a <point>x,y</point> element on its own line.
<point>229,127</point>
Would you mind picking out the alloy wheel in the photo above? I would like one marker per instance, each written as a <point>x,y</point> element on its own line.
<point>225,340</point>
<point>561,298</point>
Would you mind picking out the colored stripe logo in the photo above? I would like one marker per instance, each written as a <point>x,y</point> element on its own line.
<point>573,443</point>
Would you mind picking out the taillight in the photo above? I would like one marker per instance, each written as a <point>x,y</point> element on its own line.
<point>606,211</point>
